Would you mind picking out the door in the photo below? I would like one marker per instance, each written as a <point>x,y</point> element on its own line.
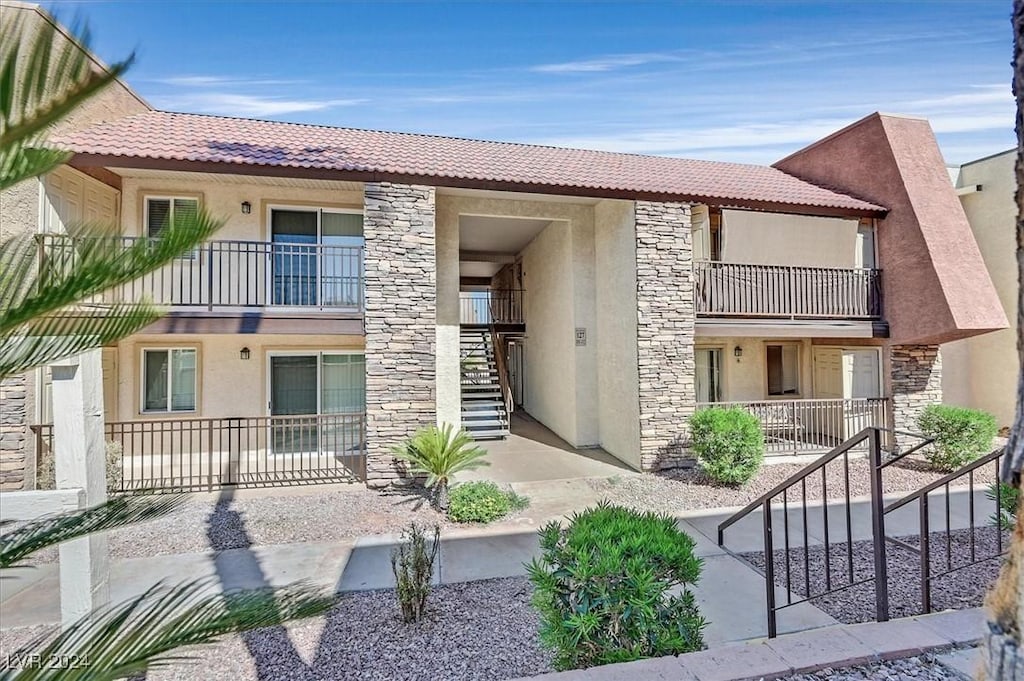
<point>315,402</point>
<point>293,234</point>
<point>709,374</point>
<point>293,400</point>
<point>861,381</point>
<point>317,257</point>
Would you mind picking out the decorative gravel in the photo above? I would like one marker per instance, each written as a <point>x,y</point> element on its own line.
<point>677,491</point>
<point>312,514</point>
<point>963,588</point>
<point>921,668</point>
<point>474,632</point>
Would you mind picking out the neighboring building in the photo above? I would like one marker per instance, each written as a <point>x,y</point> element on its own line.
<point>29,208</point>
<point>367,284</point>
<point>982,372</point>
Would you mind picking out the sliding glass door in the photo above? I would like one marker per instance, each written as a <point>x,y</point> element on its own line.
<point>317,257</point>
<point>315,402</point>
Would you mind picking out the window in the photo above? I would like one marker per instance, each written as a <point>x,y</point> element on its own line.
<point>715,234</point>
<point>865,255</point>
<point>163,211</point>
<point>317,257</point>
<point>169,379</point>
<point>783,369</point>
<point>709,374</point>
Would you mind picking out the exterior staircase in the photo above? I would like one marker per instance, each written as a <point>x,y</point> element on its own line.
<point>484,413</point>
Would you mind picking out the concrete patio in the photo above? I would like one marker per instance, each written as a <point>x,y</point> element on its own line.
<point>533,453</point>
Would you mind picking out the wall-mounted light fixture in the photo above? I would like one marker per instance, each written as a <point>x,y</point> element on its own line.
<point>737,352</point>
<point>244,353</point>
<point>246,207</point>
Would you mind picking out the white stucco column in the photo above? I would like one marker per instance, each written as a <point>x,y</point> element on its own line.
<point>80,462</point>
<point>449,396</point>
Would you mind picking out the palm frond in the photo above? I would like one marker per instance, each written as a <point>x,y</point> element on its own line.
<point>74,268</point>
<point>49,339</point>
<point>52,530</point>
<point>44,76</point>
<point>440,453</point>
<point>131,637</point>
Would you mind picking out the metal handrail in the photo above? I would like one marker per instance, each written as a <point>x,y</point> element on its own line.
<point>802,474</point>
<point>701,261</point>
<point>946,479</point>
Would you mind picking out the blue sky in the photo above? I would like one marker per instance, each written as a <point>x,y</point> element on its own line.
<point>738,81</point>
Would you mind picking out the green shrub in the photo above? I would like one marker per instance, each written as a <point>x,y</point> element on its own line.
<point>482,502</point>
<point>729,443</point>
<point>603,588</point>
<point>961,435</point>
<point>438,454</point>
<point>412,562</point>
<point>1005,516</point>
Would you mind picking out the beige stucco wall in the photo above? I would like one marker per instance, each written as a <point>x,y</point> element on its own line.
<point>781,239</point>
<point>447,354</point>
<point>981,372</point>
<point>617,373</point>
<point>558,275</point>
<point>227,384</point>
<point>223,198</point>
<point>746,378</point>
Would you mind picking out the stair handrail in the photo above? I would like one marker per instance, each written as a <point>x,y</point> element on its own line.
<point>946,479</point>
<point>502,368</point>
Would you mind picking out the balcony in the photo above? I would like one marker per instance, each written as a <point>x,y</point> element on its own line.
<point>236,274</point>
<point>724,289</point>
<point>498,307</point>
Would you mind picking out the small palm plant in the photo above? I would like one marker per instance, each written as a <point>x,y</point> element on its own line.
<point>440,453</point>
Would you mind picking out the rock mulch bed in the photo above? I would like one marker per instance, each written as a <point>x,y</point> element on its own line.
<point>964,588</point>
<point>920,668</point>
<point>478,631</point>
<point>677,491</point>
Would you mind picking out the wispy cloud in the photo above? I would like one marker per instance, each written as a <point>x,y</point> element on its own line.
<point>607,63</point>
<point>220,81</point>
<point>248,105</point>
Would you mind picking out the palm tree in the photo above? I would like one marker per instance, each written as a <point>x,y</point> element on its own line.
<point>1004,654</point>
<point>438,454</point>
<point>43,78</point>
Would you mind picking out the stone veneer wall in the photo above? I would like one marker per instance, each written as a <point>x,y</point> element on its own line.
<point>665,332</point>
<point>14,440</point>
<point>400,274</point>
<point>916,382</point>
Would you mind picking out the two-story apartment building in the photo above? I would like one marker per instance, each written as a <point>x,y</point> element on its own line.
<point>366,284</point>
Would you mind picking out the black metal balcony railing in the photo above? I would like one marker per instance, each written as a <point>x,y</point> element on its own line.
<point>168,454</point>
<point>493,306</point>
<point>724,289</point>
<point>236,274</point>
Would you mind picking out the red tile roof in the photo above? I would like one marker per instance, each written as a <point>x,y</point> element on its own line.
<point>165,136</point>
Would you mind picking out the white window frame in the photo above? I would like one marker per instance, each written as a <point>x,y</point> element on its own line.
<point>146,198</point>
<point>319,371</point>
<point>721,368</point>
<point>319,211</point>
<point>170,378</point>
<point>799,371</point>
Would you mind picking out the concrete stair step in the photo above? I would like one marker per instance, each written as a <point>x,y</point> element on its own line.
<point>499,434</point>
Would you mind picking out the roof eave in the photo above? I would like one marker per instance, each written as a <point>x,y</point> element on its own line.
<point>117,161</point>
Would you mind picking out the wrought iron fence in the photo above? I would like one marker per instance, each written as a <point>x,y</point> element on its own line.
<point>205,453</point>
<point>233,274</point>
<point>493,306</point>
<point>812,425</point>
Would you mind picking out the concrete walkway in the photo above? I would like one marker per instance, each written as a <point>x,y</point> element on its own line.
<point>730,593</point>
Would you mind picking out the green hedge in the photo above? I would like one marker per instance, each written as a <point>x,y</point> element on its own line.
<point>961,435</point>
<point>728,442</point>
<point>604,588</point>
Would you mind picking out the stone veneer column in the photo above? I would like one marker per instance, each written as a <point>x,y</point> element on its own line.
<point>400,276</point>
<point>14,440</point>
<point>916,382</point>
<point>665,330</point>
